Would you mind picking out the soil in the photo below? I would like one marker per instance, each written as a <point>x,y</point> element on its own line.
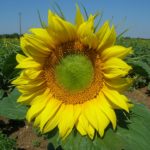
<point>26,137</point>
<point>141,95</point>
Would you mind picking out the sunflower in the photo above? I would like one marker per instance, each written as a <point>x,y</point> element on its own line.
<point>73,76</point>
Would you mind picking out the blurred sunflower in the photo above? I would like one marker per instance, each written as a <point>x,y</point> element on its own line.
<point>73,76</point>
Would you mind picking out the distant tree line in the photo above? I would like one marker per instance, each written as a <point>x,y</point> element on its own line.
<point>14,35</point>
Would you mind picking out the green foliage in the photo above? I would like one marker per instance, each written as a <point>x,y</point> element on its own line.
<point>14,35</point>
<point>132,133</point>
<point>36,143</point>
<point>139,60</point>
<point>7,143</point>
<point>8,50</point>
<point>9,108</point>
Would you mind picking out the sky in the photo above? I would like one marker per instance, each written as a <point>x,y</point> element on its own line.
<point>133,15</point>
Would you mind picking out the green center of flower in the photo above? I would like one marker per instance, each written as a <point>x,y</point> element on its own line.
<point>74,72</point>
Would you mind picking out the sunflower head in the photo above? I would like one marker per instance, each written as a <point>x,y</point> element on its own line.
<point>73,76</point>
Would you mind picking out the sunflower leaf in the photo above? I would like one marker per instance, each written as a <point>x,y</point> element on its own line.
<point>9,108</point>
<point>131,134</point>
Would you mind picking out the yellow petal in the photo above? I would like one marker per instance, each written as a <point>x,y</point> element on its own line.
<point>38,106</point>
<point>29,98</point>
<point>115,67</point>
<point>79,19</point>
<point>96,117</point>
<point>102,31</point>
<point>107,37</point>
<point>86,33</point>
<point>102,118</point>
<point>37,120</point>
<point>35,48</point>
<point>33,73</point>
<point>49,111</point>
<point>43,35</point>
<point>90,114</point>
<point>66,122</point>
<point>28,63</point>
<point>116,51</point>
<point>30,88</point>
<point>119,83</point>
<point>106,108</point>
<point>53,122</point>
<point>20,58</point>
<point>60,30</point>
<point>29,77</point>
<point>84,127</point>
<point>31,52</point>
<point>21,80</point>
<point>81,129</point>
<point>116,98</point>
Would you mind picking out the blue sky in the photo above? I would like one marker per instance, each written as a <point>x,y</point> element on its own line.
<point>131,14</point>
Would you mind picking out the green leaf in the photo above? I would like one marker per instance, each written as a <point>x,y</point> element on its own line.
<point>1,94</point>
<point>9,108</point>
<point>131,134</point>
<point>148,87</point>
<point>9,65</point>
<point>140,67</point>
<point>7,143</point>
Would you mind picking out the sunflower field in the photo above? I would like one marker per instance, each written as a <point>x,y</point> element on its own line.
<point>133,128</point>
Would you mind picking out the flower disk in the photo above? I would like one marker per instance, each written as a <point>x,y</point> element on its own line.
<point>74,72</point>
<point>73,76</point>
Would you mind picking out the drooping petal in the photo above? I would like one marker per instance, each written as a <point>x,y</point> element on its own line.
<point>115,67</point>
<point>116,51</point>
